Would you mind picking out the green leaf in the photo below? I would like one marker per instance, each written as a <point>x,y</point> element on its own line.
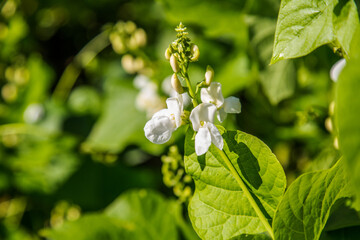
<point>118,122</point>
<point>220,207</point>
<point>306,25</point>
<point>236,74</point>
<point>152,215</point>
<point>347,113</point>
<point>279,81</point>
<point>308,203</point>
<point>92,227</point>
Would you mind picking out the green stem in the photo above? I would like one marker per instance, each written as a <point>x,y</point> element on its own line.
<point>81,60</point>
<point>191,91</point>
<point>245,190</point>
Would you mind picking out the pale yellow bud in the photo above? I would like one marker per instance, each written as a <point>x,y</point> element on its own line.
<point>9,92</point>
<point>127,62</point>
<point>138,64</point>
<point>117,43</point>
<point>174,63</point>
<point>209,75</point>
<point>328,124</point>
<point>168,53</point>
<point>175,83</point>
<point>130,27</point>
<point>195,52</point>
<point>140,37</point>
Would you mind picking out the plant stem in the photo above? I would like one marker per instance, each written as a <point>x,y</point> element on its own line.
<point>245,190</point>
<point>81,60</point>
<point>191,92</point>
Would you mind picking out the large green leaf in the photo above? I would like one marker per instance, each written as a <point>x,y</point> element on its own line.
<point>220,207</point>
<point>118,122</point>
<point>151,215</point>
<point>306,25</point>
<point>136,214</point>
<point>308,203</point>
<point>347,113</point>
<point>92,227</point>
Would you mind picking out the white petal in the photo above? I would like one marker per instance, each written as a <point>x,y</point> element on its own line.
<point>186,99</point>
<point>212,94</point>
<point>175,110</point>
<point>202,141</point>
<point>221,115</point>
<point>232,105</point>
<point>162,113</point>
<point>140,81</point>
<point>336,69</point>
<point>216,137</point>
<point>204,112</point>
<point>159,129</point>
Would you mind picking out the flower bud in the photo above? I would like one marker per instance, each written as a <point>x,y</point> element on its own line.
<point>175,83</point>
<point>140,37</point>
<point>127,62</point>
<point>168,53</point>
<point>174,63</point>
<point>209,75</point>
<point>195,52</point>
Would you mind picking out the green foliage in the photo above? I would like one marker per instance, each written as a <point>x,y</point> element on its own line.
<point>308,203</point>
<point>279,81</point>
<point>136,214</point>
<point>233,214</point>
<point>347,112</point>
<point>151,215</point>
<point>303,26</point>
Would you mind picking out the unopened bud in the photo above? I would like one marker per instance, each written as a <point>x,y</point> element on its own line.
<point>140,37</point>
<point>174,63</point>
<point>127,62</point>
<point>168,53</point>
<point>209,75</point>
<point>175,83</point>
<point>195,52</point>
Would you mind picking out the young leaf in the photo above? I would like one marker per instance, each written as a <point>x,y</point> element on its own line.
<point>307,204</point>
<point>236,190</point>
<point>306,25</point>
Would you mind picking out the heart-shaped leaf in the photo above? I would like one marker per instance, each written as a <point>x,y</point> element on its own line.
<point>236,190</point>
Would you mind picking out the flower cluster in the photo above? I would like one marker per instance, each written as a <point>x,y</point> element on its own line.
<point>202,116</point>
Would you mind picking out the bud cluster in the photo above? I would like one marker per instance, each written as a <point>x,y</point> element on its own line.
<point>174,175</point>
<point>160,127</point>
<point>127,36</point>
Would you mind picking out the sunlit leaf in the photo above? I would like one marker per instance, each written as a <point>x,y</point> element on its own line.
<point>347,113</point>
<point>308,202</point>
<point>303,26</point>
<point>219,208</point>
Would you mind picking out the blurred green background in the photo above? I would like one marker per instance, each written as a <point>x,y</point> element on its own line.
<point>74,161</point>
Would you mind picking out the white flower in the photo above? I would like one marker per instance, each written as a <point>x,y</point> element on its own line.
<point>213,94</point>
<point>337,69</point>
<point>148,98</point>
<point>202,118</point>
<point>160,127</point>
